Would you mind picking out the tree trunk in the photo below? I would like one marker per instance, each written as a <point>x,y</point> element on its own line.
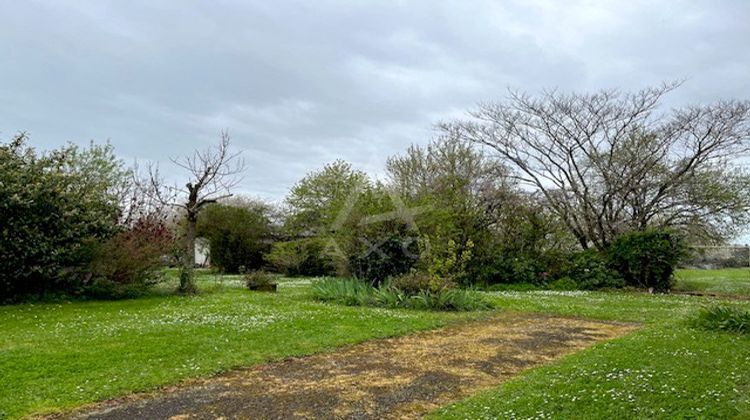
<point>188,264</point>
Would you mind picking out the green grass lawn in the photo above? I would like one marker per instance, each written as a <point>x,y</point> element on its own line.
<point>665,370</point>
<point>727,281</point>
<point>61,355</point>
<point>57,356</point>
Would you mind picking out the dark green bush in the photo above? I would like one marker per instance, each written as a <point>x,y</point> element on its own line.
<point>379,258</point>
<point>590,270</point>
<point>238,235</point>
<point>303,257</point>
<point>509,268</point>
<point>647,259</point>
<point>53,207</point>
<point>723,318</point>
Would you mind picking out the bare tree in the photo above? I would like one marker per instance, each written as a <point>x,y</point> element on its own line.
<point>608,162</point>
<point>212,172</point>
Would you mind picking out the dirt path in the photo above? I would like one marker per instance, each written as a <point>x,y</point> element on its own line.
<point>402,377</point>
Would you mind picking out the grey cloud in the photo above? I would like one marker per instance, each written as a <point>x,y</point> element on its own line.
<point>299,84</point>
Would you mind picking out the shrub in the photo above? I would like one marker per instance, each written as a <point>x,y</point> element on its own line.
<point>238,235</point>
<point>303,257</point>
<point>416,281</point>
<point>507,268</point>
<point>381,257</point>
<point>445,259</point>
<point>723,318</point>
<point>647,259</point>
<point>258,279</point>
<point>590,270</point>
<point>127,264</point>
<point>54,206</point>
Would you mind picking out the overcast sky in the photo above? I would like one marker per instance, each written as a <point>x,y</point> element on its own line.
<point>299,84</point>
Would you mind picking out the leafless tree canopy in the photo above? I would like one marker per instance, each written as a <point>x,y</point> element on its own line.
<point>453,166</point>
<point>212,173</point>
<point>610,162</point>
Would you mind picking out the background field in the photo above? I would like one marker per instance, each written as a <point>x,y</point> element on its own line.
<point>729,281</point>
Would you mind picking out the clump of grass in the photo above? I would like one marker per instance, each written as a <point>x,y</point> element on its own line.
<point>723,318</point>
<point>347,292</point>
<point>352,292</point>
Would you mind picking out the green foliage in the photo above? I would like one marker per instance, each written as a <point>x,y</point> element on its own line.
<point>381,257</point>
<point>238,234</point>
<point>317,200</point>
<point>127,264</point>
<point>303,257</point>
<point>349,292</point>
<point>54,207</point>
<point>444,260</point>
<point>414,282</point>
<point>258,279</point>
<point>647,259</point>
<point>590,270</point>
<point>563,284</point>
<point>353,292</point>
<point>529,246</point>
<point>512,287</point>
<point>723,318</point>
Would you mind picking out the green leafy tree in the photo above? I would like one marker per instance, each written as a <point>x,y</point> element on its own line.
<point>322,196</point>
<point>239,233</point>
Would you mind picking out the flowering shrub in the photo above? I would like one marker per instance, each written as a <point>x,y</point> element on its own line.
<point>128,263</point>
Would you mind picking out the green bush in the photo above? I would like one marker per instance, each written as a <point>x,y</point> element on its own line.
<point>509,266</point>
<point>126,265</point>
<point>54,207</point>
<point>723,318</point>
<point>238,235</point>
<point>353,292</point>
<point>590,270</point>
<point>303,257</point>
<point>647,259</point>
<point>380,257</point>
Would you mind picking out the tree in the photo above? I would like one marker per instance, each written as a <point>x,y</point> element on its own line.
<point>477,213</point>
<point>317,200</point>
<point>212,173</point>
<point>55,207</point>
<point>609,162</point>
<point>239,233</point>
